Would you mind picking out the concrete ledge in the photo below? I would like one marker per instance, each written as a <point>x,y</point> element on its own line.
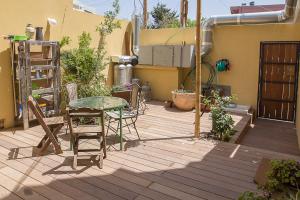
<point>241,129</point>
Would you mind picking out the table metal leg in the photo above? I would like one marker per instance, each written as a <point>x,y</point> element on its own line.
<point>120,129</point>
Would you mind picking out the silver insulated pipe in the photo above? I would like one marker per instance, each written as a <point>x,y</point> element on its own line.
<point>248,18</point>
<point>136,26</point>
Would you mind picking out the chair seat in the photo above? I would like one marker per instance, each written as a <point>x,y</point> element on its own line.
<point>83,129</point>
<point>53,121</point>
<point>125,115</point>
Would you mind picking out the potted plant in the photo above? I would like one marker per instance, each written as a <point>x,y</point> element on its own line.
<point>222,122</point>
<point>184,99</point>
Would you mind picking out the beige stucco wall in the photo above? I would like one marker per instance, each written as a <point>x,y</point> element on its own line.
<point>239,44</point>
<point>16,14</point>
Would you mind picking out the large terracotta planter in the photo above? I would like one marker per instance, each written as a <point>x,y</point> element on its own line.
<point>184,100</point>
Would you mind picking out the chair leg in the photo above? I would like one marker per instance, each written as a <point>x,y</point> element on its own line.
<point>100,160</point>
<point>108,126</point>
<point>75,150</point>
<point>127,126</point>
<point>103,144</point>
<point>42,142</point>
<point>134,126</point>
<point>71,142</point>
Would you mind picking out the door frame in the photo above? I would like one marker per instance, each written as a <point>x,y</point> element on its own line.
<point>262,43</point>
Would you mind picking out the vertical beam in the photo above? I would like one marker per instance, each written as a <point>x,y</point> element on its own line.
<point>183,12</point>
<point>145,11</point>
<point>198,69</point>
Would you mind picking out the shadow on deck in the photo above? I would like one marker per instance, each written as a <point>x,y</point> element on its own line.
<point>168,163</point>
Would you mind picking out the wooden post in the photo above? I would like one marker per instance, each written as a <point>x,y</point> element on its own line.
<point>198,69</point>
<point>145,10</point>
<point>183,12</point>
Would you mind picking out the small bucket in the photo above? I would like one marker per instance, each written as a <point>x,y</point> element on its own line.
<point>39,33</point>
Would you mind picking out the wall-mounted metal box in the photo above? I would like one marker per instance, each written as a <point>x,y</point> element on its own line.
<point>146,55</point>
<point>167,55</point>
<point>187,55</point>
<point>163,55</point>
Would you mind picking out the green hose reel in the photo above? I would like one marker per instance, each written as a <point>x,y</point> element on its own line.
<point>222,65</point>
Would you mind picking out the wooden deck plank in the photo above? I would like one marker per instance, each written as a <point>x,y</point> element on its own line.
<point>5,194</point>
<point>166,164</point>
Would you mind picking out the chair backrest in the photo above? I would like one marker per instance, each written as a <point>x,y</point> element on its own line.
<point>34,106</point>
<point>72,91</point>
<point>38,113</point>
<point>85,113</point>
<point>134,97</point>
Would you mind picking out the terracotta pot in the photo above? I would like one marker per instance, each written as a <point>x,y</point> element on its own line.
<point>184,101</point>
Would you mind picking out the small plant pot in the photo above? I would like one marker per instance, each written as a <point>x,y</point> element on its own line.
<point>184,100</point>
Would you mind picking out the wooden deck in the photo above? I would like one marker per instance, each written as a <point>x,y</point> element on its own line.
<point>167,164</point>
<point>273,135</point>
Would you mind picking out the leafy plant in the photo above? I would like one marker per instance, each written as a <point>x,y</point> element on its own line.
<point>106,27</point>
<point>284,177</point>
<point>222,122</point>
<point>251,196</point>
<point>282,183</point>
<point>66,40</point>
<point>84,65</point>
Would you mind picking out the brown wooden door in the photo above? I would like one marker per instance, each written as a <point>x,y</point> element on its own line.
<point>278,78</point>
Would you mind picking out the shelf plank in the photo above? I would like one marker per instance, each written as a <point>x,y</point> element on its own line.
<point>43,91</point>
<point>42,67</point>
<point>41,78</point>
<point>40,59</point>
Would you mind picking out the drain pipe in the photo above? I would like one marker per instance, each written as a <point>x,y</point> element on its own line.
<point>248,18</point>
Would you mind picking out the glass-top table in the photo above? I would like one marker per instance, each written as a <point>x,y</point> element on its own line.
<point>102,103</point>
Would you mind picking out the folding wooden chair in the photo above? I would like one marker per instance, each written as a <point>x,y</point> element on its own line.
<point>51,126</point>
<point>83,132</point>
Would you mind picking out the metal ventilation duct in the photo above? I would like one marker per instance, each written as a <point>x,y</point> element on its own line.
<point>248,18</point>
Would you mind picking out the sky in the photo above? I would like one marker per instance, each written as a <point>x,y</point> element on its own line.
<point>209,7</point>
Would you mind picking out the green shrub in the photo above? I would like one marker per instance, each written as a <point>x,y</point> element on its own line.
<point>83,66</point>
<point>282,184</point>
<point>222,122</point>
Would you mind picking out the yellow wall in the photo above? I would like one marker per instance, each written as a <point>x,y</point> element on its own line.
<point>16,14</point>
<point>239,44</point>
<point>162,80</point>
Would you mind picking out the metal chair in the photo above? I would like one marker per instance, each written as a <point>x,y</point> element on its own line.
<point>72,94</point>
<point>51,126</point>
<point>129,116</point>
<point>72,91</point>
<point>87,132</point>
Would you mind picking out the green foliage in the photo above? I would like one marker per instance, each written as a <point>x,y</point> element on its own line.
<point>83,66</point>
<point>163,17</point>
<point>222,122</point>
<point>183,91</point>
<point>284,177</point>
<point>282,184</point>
<point>107,26</point>
<point>66,40</point>
<point>251,196</point>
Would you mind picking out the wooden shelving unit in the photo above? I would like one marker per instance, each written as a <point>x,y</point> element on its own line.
<point>35,71</point>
